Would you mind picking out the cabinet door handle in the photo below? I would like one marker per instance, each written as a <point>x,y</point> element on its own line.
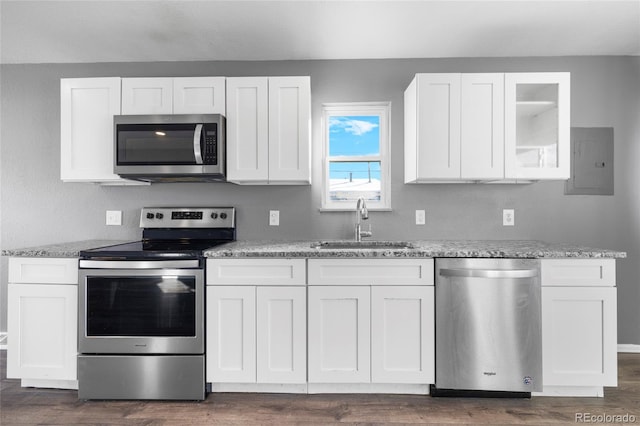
<point>490,273</point>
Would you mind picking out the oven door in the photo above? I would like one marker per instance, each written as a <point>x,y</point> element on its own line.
<point>129,307</point>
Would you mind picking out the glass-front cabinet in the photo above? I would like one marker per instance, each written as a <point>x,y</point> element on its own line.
<point>537,125</point>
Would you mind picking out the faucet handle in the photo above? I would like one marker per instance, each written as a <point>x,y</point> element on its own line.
<point>367,233</point>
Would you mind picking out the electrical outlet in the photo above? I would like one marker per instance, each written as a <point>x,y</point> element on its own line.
<point>114,217</point>
<point>508,217</point>
<point>421,217</point>
<point>274,217</point>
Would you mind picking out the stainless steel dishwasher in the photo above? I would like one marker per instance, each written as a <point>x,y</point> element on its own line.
<point>488,332</point>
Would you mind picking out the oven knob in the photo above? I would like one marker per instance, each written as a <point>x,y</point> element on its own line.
<point>159,215</point>
<point>223,215</point>
<point>150,216</point>
<point>214,215</point>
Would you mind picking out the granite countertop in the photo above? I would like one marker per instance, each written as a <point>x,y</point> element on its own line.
<point>426,248</point>
<point>70,249</point>
<point>308,249</point>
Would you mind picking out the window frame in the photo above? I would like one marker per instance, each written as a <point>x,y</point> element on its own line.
<point>383,111</point>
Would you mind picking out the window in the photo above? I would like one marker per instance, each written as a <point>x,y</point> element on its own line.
<point>356,155</point>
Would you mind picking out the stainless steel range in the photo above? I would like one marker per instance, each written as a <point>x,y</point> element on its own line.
<point>141,308</point>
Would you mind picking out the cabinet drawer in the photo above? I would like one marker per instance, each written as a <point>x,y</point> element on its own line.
<point>43,270</point>
<point>579,272</point>
<point>371,271</point>
<point>256,272</point>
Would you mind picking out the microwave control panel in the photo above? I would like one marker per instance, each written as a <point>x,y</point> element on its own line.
<point>211,145</point>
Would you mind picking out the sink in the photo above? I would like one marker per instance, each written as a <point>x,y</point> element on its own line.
<point>360,245</point>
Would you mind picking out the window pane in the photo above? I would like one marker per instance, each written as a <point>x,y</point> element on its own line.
<point>350,180</point>
<point>354,135</point>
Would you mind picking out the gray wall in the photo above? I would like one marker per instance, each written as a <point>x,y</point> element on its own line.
<point>37,208</point>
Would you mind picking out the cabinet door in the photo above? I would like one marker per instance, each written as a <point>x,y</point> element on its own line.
<point>199,95</point>
<point>289,130</point>
<point>537,125</point>
<point>438,123</point>
<point>147,96</point>
<point>278,272</point>
<point>370,272</point>
<point>49,270</point>
<point>339,335</point>
<point>402,334</point>
<point>247,130</point>
<point>87,107</point>
<point>482,126</point>
<point>579,335</point>
<point>578,272</point>
<point>42,327</point>
<point>281,334</point>
<point>231,334</point>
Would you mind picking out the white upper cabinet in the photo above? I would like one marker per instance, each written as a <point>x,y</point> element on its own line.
<point>147,96</point>
<point>268,130</point>
<point>247,129</point>
<point>180,95</point>
<point>87,107</point>
<point>482,124</point>
<point>199,95</point>
<point>454,127</point>
<point>487,127</point>
<point>432,128</point>
<point>537,125</point>
<point>289,130</point>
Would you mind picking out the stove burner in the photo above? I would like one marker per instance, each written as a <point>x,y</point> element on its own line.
<point>173,233</point>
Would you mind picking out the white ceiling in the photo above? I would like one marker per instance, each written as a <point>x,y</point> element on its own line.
<point>132,31</point>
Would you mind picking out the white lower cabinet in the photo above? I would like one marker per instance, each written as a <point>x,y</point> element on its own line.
<point>339,334</point>
<point>42,322</point>
<point>402,334</point>
<point>363,333</point>
<point>231,334</point>
<point>256,330</point>
<point>579,326</point>
<point>281,318</point>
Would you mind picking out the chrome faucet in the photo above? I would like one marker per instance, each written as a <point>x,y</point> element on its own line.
<point>361,214</point>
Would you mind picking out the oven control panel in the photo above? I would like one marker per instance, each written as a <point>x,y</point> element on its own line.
<point>188,217</point>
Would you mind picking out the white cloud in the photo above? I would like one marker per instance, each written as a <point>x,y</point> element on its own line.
<point>355,127</point>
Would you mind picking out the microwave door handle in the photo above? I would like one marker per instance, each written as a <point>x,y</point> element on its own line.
<point>197,150</point>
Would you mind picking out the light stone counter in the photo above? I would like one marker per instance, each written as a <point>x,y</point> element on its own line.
<point>71,249</point>
<point>419,249</point>
<point>308,249</point>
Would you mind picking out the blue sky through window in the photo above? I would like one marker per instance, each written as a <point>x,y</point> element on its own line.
<point>354,135</point>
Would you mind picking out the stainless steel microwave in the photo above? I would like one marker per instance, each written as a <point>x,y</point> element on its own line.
<point>170,148</point>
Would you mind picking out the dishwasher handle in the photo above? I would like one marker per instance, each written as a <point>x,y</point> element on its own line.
<point>489,273</point>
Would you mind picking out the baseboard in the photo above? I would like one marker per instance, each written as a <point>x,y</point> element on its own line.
<point>629,348</point>
<point>3,341</point>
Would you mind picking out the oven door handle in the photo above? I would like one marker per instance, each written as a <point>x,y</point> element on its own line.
<point>197,150</point>
<point>139,264</point>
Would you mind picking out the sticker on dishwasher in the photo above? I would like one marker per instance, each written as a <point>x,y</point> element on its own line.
<point>527,380</point>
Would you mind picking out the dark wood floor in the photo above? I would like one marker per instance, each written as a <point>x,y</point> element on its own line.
<point>28,406</point>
